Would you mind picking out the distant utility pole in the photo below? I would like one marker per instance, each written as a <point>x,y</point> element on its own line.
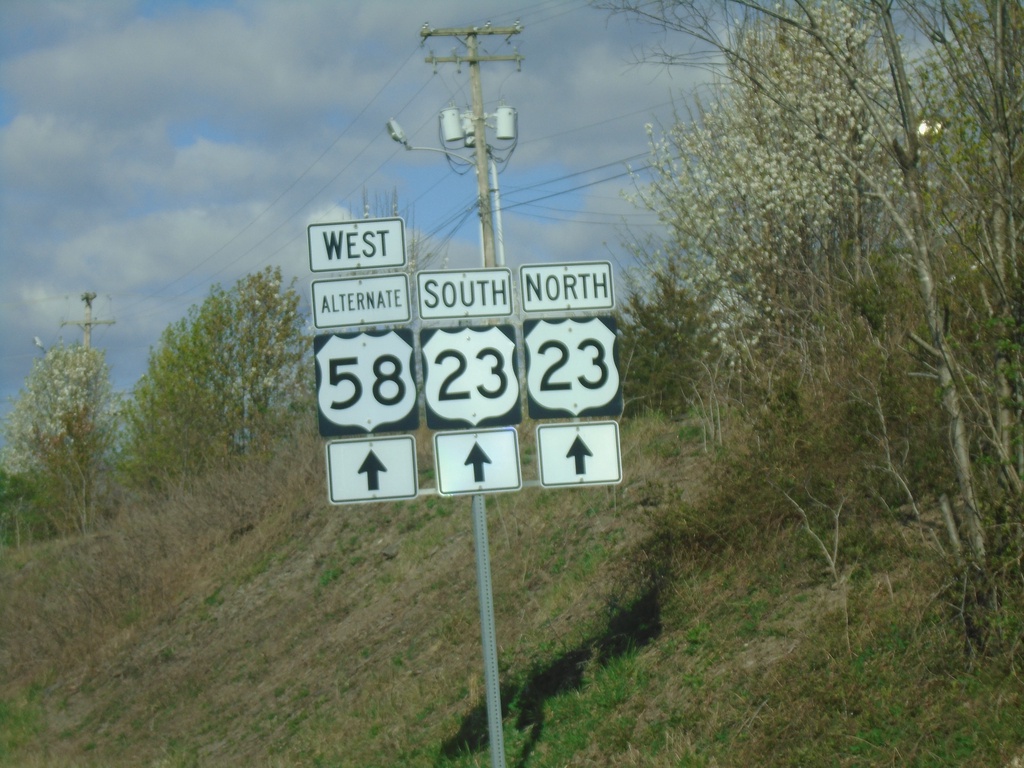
<point>473,58</point>
<point>87,324</point>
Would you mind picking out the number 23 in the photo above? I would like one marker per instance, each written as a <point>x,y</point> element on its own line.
<point>498,370</point>
<point>547,384</point>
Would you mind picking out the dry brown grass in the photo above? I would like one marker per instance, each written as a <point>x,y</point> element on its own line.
<point>298,608</point>
<point>69,602</point>
<point>245,621</point>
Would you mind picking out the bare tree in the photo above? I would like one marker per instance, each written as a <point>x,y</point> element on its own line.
<point>980,55</point>
<point>977,112</point>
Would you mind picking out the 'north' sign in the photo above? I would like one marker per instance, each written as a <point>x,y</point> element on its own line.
<point>566,287</point>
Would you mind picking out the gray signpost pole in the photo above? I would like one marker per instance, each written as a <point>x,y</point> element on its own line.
<point>487,631</point>
<point>483,556</point>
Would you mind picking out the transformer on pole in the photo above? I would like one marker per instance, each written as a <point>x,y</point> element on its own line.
<point>469,127</point>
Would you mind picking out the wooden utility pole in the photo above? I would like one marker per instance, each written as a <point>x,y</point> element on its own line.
<point>87,324</point>
<point>483,562</point>
<point>473,58</point>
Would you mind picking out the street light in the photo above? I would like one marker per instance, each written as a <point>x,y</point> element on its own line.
<point>396,133</point>
<point>459,127</point>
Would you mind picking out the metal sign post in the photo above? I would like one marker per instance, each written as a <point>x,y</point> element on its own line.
<point>470,383</point>
<point>487,631</point>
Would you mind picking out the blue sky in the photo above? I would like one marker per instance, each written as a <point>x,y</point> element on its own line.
<point>149,149</point>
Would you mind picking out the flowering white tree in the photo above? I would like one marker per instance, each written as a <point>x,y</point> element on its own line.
<point>61,431</point>
<point>767,195</point>
<point>771,194</point>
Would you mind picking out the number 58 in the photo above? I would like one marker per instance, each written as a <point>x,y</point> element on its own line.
<point>388,384</point>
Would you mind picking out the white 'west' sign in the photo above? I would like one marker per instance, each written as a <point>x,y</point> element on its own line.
<point>566,287</point>
<point>362,244</point>
<point>470,293</point>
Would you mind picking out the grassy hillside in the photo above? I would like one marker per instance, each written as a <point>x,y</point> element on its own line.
<point>244,621</point>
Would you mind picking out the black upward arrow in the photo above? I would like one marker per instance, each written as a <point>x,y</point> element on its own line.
<point>477,458</point>
<point>579,451</point>
<point>372,466</point>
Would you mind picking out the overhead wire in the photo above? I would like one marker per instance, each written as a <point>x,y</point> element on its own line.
<point>280,196</point>
<point>444,230</point>
<point>555,9</point>
<point>559,192</point>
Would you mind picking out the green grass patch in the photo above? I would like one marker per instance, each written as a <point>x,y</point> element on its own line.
<point>20,722</point>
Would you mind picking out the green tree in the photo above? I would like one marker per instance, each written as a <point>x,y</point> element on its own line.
<point>60,435</point>
<point>221,382</point>
<point>12,496</point>
<point>665,342</point>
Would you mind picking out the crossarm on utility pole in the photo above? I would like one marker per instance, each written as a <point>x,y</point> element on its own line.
<point>87,324</point>
<point>473,58</point>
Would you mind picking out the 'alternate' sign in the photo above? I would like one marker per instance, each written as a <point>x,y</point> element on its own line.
<point>361,301</point>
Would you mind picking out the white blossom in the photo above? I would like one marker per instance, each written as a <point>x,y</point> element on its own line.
<point>67,391</point>
<point>753,188</point>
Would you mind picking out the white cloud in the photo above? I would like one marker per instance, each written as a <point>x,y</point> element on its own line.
<point>149,149</point>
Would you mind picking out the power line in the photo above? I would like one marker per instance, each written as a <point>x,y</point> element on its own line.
<point>281,195</point>
<point>571,189</point>
<point>553,8</point>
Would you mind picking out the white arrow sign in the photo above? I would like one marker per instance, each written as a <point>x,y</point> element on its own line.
<point>379,469</point>
<point>579,454</point>
<point>477,462</point>
<point>470,377</point>
<point>365,382</point>
<point>572,368</point>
